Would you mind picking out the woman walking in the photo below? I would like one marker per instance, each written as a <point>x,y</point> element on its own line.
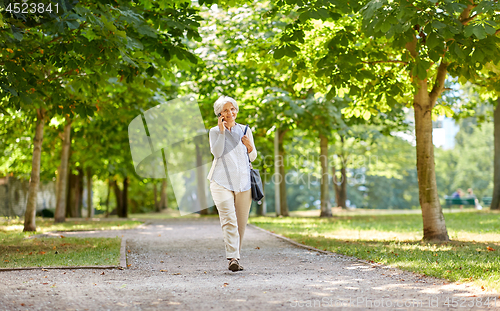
<point>230,175</point>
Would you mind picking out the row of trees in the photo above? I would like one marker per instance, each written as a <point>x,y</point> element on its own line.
<point>78,68</point>
<point>323,69</point>
<point>368,59</point>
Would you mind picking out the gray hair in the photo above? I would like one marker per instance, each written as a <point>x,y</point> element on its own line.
<point>219,104</point>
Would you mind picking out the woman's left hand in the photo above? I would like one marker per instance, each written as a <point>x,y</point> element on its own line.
<point>246,141</point>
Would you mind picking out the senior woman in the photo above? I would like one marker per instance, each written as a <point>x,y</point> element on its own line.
<point>230,176</point>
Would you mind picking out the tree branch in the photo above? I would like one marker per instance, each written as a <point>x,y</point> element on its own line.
<point>464,17</point>
<point>386,61</point>
<point>412,47</point>
<point>438,87</point>
<point>467,20</point>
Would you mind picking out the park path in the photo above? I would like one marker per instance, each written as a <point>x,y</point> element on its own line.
<point>179,264</point>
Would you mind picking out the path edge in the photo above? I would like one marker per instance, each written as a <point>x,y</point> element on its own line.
<point>311,248</point>
<point>373,264</point>
<point>123,254</point>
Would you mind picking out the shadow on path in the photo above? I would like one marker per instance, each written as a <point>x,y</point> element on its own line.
<point>179,264</point>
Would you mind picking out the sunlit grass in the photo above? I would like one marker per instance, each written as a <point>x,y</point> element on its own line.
<point>22,249</point>
<point>47,224</point>
<point>472,256</point>
<point>16,250</point>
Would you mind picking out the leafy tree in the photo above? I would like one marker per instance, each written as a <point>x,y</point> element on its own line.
<point>56,62</point>
<point>468,164</point>
<point>487,84</point>
<point>400,42</point>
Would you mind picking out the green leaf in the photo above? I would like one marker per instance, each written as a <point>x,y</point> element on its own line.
<point>18,35</point>
<point>435,54</point>
<point>384,27</point>
<point>491,30</point>
<point>193,59</point>
<point>372,6</point>
<point>421,69</point>
<point>468,30</point>
<point>438,24</point>
<point>305,16</point>
<point>147,31</point>
<point>12,91</point>
<point>477,56</point>
<point>323,14</point>
<point>433,40</point>
<point>120,33</point>
<point>458,51</point>
<point>107,24</point>
<point>25,98</point>
<point>479,32</point>
<point>128,59</point>
<point>279,53</point>
<point>73,24</point>
<point>289,51</point>
<point>367,115</point>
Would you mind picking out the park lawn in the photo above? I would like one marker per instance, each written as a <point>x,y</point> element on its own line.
<point>47,224</point>
<point>17,249</point>
<point>472,256</point>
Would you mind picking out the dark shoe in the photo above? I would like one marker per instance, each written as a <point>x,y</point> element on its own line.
<point>234,265</point>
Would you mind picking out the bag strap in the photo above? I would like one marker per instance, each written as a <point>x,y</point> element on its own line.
<point>248,156</point>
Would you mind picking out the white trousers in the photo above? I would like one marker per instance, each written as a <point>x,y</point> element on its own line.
<point>233,208</point>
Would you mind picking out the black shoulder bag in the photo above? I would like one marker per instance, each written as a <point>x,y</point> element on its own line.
<point>256,181</point>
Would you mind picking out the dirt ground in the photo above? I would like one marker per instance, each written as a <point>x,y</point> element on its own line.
<point>179,264</point>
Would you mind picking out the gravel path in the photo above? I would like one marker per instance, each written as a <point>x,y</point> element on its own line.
<point>179,264</point>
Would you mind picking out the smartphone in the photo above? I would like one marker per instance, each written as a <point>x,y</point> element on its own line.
<point>218,116</point>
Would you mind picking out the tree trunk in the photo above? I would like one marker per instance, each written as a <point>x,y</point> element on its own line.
<point>277,177</point>
<point>80,192</point>
<point>121,198</point>
<point>163,195</point>
<point>282,172</point>
<point>90,209</point>
<point>200,179</point>
<point>118,197</point>
<point>60,212</point>
<point>155,194</point>
<point>326,209</point>
<point>495,202</point>
<point>343,186</point>
<point>432,214</point>
<point>73,196</point>
<point>125,198</point>
<point>107,198</point>
<point>340,186</point>
<point>30,214</point>
<point>423,103</point>
<point>262,208</point>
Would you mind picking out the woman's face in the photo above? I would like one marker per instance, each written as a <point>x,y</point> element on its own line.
<point>229,112</point>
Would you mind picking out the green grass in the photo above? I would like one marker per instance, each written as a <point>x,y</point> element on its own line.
<point>47,224</point>
<point>472,256</point>
<point>18,250</point>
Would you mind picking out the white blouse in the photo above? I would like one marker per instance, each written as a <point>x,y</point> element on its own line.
<point>230,168</point>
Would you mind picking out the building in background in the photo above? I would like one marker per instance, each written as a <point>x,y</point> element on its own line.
<point>444,132</point>
<point>14,194</point>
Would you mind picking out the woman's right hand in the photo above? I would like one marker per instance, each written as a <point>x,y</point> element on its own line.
<point>221,124</point>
